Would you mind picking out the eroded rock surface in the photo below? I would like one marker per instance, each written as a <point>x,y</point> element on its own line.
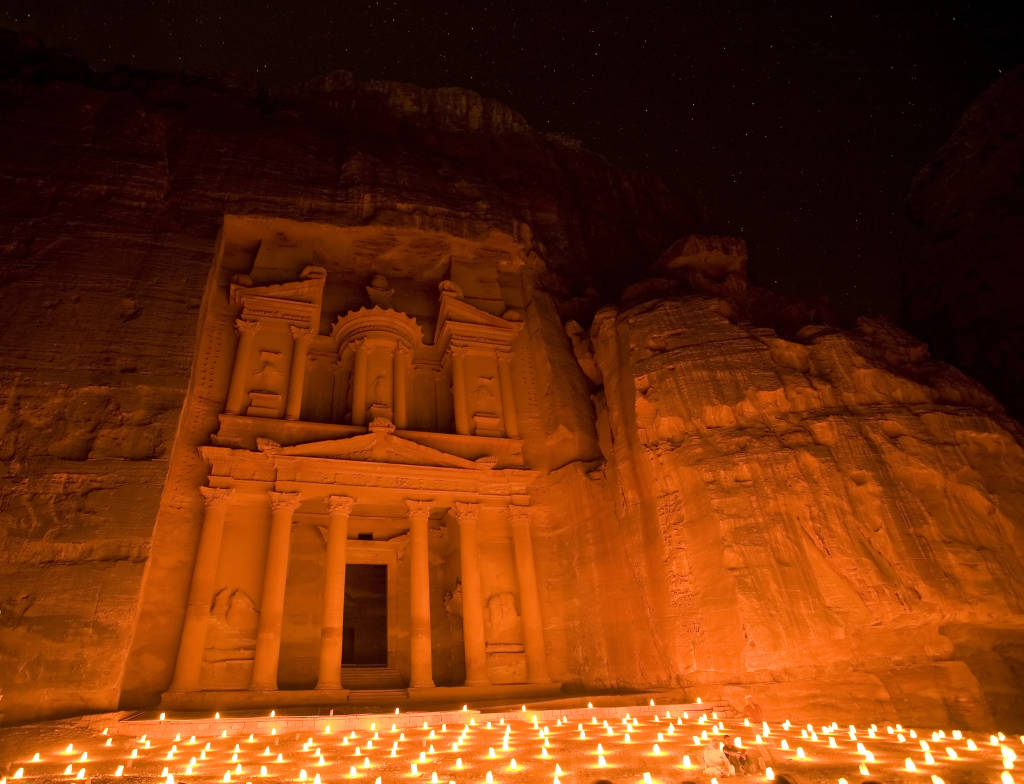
<point>825,519</point>
<point>799,510</point>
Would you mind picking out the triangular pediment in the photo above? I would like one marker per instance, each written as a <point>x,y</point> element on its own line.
<point>380,447</point>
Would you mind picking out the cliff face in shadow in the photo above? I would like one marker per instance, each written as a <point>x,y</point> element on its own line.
<point>963,291</point>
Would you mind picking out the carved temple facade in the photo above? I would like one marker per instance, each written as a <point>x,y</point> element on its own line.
<point>364,477</point>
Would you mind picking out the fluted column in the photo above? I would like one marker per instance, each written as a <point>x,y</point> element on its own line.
<point>359,384</point>
<point>268,632</point>
<point>243,365</point>
<point>533,630</point>
<point>508,401</point>
<point>302,337</point>
<point>421,666</point>
<point>459,395</point>
<point>200,594</point>
<point>472,597</point>
<point>401,382</point>
<point>339,507</point>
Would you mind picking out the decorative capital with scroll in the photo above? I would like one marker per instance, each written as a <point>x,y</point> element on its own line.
<point>519,515</point>
<point>301,334</point>
<point>284,502</point>
<point>246,327</point>
<point>419,510</point>
<point>466,513</point>
<point>214,497</point>
<point>340,505</point>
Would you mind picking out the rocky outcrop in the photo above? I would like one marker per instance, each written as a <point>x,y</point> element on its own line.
<point>963,289</point>
<point>798,510</point>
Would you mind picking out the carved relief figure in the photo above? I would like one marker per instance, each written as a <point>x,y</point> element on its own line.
<point>484,397</point>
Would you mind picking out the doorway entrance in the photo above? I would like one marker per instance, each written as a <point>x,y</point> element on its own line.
<point>365,629</point>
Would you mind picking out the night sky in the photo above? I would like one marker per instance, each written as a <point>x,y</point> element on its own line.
<point>798,125</point>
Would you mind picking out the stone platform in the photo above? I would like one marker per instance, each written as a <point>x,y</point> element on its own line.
<point>431,697</point>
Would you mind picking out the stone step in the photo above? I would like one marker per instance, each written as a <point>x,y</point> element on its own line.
<point>370,678</point>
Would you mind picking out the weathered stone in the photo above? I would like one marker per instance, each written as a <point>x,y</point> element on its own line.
<point>226,314</point>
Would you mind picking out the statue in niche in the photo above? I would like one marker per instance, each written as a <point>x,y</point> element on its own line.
<point>380,390</point>
<point>379,293</point>
<point>453,600</point>
<point>270,375</point>
<point>503,623</point>
<point>484,397</point>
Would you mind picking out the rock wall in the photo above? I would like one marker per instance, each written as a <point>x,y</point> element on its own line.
<point>115,187</point>
<point>832,522</point>
<point>828,519</point>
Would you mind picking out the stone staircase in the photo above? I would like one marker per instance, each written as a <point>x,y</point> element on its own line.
<point>371,679</point>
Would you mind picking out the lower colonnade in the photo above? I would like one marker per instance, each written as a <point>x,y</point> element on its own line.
<point>187,689</point>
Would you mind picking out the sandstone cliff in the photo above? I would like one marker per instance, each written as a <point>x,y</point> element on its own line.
<point>797,511</point>
<point>820,517</point>
<point>115,187</point>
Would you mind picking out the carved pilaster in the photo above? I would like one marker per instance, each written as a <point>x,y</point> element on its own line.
<point>200,596</point>
<point>473,636</point>
<point>421,667</point>
<point>237,391</point>
<point>301,338</point>
<point>529,601</point>
<point>508,402</point>
<point>402,361</point>
<point>460,395</point>
<point>359,382</point>
<point>275,575</point>
<point>339,508</point>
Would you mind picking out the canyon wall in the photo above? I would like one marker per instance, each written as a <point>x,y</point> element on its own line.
<point>826,519</point>
<point>831,521</point>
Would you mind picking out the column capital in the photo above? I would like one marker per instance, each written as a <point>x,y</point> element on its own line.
<point>402,350</point>
<point>303,334</point>
<point>459,350</point>
<point>519,515</point>
<point>340,504</point>
<point>504,356</point>
<point>246,327</point>
<point>419,509</point>
<point>284,501</point>
<point>466,512</point>
<point>215,496</point>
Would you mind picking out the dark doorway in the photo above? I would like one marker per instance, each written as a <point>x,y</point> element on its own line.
<point>365,632</point>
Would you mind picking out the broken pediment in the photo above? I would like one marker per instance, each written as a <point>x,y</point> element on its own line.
<point>458,318</point>
<point>379,447</point>
<point>297,302</point>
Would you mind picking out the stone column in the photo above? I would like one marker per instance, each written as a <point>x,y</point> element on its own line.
<point>359,384</point>
<point>401,382</point>
<point>243,365</point>
<point>508,401</point>
<point>533,631</point>
<point>342,391</point>
<point>421,668</point>
<point>472,598</point>
<point>459,397</point>
<point>302,337</point>
<point>200,594</point>
<point>268,632</point>
<point>339,508</point>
